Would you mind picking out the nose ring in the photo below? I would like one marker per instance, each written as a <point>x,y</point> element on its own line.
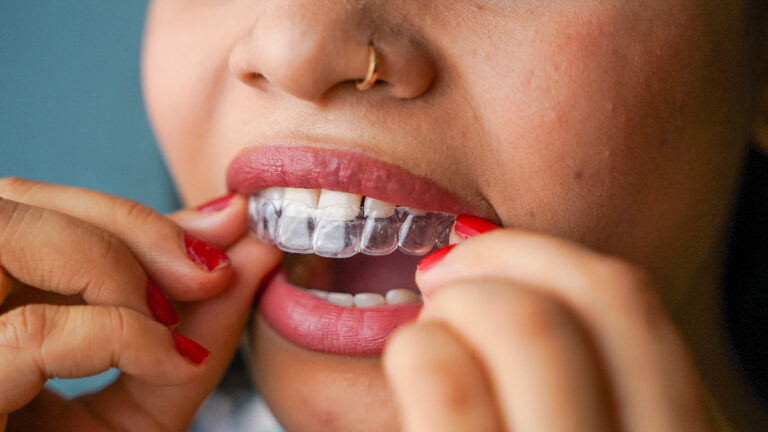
<point>373,70</point>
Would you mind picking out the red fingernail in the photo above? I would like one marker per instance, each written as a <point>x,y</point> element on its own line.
<point>160,306</point>
<point>469,226</point>
<point>216,204</point>
<point>190,349</point>
<point>432,259</point>
<point>204,254</point>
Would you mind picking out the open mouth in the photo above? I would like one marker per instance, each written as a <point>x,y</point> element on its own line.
<point>347,278</point>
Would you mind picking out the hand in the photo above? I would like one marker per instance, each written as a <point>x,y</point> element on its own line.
<point>76,299</point>
<point>523,332</point>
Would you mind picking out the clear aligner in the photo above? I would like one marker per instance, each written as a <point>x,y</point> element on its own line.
<point>335,226</point>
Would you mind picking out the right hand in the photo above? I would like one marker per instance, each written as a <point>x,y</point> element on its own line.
<point>74,272</point>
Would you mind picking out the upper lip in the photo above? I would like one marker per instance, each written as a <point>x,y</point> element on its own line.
<point>309,167</point>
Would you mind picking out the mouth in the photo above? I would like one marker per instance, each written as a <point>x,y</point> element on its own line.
<point>347,278</point>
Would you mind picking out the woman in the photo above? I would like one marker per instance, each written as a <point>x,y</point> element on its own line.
<point>606,138</point>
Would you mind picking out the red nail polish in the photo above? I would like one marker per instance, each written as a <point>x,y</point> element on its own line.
<point>160,306</point>
<point>432,259</point>
<point>216,204</point>
<point>469,226</point>
<point>204,254</point>
<point>190,349</point>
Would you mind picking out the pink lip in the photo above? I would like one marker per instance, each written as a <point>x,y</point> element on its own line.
<point>317,325</point>
<point>314,168</point>
<point>302,318</point>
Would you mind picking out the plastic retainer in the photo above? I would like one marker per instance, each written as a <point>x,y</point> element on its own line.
<point>297,228</point>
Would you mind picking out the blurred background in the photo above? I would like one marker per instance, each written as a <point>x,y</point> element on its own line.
<point>71,109</point>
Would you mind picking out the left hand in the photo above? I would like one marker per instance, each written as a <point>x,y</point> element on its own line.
<point>523,332</point>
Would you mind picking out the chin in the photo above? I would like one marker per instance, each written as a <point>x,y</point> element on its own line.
<point>309,391</point>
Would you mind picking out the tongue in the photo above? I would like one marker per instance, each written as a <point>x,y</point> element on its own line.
<point>360,273</point>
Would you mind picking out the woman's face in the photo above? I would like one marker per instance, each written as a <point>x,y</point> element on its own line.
<point>615,123</point>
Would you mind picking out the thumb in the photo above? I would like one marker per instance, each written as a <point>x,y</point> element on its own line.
<point>219,222</point>
<point>216,324</point>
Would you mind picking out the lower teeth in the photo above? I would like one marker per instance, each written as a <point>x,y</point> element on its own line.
<point>300,229</point>
<point>362,300</point>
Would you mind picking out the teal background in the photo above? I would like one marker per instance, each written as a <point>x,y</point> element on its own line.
<point>71,109</point>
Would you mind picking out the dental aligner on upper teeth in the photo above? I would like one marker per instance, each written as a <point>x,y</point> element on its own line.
<point>339,225</point>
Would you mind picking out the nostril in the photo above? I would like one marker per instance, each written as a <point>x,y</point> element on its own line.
<point>250,78</point>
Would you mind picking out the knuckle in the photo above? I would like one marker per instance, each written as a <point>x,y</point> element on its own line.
<point>117,258</point>
<point>630,291</point>
<point>132,212</point>
<point>26,327</point>
<point>120,324</point>
<point>534,319</point>
<point>440,380</point>
<point>111,246</point>
<point>121,319</point>
<point>13,217</point>
<point>10,185</point>
<point>446,386</point>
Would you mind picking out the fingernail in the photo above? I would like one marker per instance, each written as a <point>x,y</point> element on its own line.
<point>204,254</point>
<point>469,226</point>
<point>161,308</point>
<point>189,348</point>
<point>432,259</point>
<point>216,204</point>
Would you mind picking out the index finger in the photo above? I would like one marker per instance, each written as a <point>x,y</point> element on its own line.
<point>187,268</point>
<point>643,352</point>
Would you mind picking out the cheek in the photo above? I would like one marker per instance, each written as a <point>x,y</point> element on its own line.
<point>598,133</point>
<point>184,62</point>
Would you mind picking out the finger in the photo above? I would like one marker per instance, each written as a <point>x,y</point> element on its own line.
<point>185,268</point>
<point>216,323</point>
<point>38,342</point>
<point>538,358</point>
<point>644,356</point>
<point>221,227</point>
<point>61,254</point>
<point>439,385</point>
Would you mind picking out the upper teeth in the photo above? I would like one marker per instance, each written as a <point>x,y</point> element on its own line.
<point>338,205</point>
<point>333,224</point>
<point>377,209</point>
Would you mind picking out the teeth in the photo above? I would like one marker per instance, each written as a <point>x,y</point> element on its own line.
<point>296,223</point>
<point>418,234</point>
<point>273,193</point>
<point>299,202</point>
<point>333,224</point>
<point>269,208</point>
<point>374,208</point>
<point>338,205</point>
<point>318,293</point>
<point>363,300</point>
<point>368,300</point>
<point>402,297</point>
<point>337,231</point>
<point>341,299</point>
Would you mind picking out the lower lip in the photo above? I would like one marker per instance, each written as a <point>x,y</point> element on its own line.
<point>317,325</point>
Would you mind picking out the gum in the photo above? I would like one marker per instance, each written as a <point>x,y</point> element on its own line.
<point>300,229</point>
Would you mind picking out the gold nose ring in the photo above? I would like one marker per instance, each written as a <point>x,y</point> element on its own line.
<point>373,70</point>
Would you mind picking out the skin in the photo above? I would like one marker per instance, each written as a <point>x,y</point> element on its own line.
<point>617,125</point>
<point>605,136</point>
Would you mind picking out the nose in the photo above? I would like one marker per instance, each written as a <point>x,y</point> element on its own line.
<point>307,48</point>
